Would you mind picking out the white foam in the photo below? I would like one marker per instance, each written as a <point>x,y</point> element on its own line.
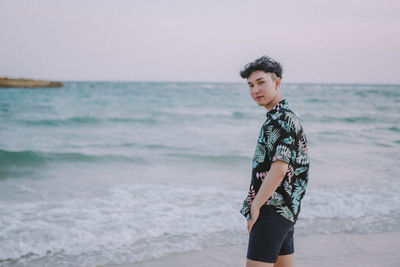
<point>140,221</point>
<point>134,222</point>
<point>364,208</point>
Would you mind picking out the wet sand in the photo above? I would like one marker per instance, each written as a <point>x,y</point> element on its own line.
<point>322,250</point>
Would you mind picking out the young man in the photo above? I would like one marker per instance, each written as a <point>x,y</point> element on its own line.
<point>279,171</point>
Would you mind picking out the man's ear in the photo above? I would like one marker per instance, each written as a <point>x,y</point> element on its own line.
<point>277,82</point>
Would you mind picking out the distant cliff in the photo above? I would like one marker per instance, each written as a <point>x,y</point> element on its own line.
<point>26,83</point>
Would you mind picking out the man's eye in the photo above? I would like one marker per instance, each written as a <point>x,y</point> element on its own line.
<point>261,82</point>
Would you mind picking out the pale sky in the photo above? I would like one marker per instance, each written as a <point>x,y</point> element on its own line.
<point>341,41</point>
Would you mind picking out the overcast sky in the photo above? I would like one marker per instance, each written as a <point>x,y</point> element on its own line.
<point>341,41</point>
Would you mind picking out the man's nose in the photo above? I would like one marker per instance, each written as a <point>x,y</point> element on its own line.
<point>256,89</point>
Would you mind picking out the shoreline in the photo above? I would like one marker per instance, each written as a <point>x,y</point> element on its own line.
<point>322,250</point>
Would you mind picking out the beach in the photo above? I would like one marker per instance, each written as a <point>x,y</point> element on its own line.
<point>155,174</point>
<point>324,250</point>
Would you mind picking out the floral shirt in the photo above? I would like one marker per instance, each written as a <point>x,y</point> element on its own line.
<point>281,138</point>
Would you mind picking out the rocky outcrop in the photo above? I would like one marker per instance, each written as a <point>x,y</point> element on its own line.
<point>27,83</point>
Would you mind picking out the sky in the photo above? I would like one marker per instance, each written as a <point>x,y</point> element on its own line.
<point>317,41</point>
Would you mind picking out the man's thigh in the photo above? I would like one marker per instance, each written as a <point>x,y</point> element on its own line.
<point>251,263</point>
<point>285,261</point>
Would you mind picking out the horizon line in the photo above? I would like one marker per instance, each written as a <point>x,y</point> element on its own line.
<point>228,82</point>
<point>196,81</point>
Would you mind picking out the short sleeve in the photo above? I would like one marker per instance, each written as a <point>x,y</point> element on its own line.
<point>282,144</point>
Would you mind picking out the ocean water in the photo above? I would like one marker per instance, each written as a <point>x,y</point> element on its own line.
<point>118,172</point>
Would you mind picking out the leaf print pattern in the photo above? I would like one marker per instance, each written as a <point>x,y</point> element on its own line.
<point>298,193</point>
<point>272,135</point>
<point>259,154</point>
<point>300,170</point>
<point>261,137</point>
<point>261,175</point>
<point>282,153</point>
<point>293,121</point>
<point>289,140</point>
<point>251,195</point>
<point>303,143</point>
<point>290,173</point>
<point>246,209</point>
<point>285,212</point>
<point>302,158</point>
<point>284,125</point>
<point>288,187</point>
<point>276,199</point>
<point>281,137</point>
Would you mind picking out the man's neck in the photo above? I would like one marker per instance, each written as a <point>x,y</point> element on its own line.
<point>276,100</point>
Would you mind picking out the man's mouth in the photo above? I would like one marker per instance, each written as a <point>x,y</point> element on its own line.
<point>258,97</point>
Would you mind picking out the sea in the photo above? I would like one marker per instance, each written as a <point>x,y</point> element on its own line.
<point>98,173</point>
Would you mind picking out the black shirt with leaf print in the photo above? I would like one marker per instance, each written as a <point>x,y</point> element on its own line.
<point>281,138</point>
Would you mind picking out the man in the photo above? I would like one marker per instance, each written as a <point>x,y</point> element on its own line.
<point>279,171</point>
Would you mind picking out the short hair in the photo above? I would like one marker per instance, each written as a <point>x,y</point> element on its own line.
<point>263,63</point>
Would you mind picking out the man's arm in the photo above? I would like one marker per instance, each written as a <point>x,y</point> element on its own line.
<point>271,182</point>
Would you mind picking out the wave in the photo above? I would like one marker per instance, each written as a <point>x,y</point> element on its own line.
<point>136,145</point>
<point>134,120</point>
<point>381,92</point>
<point>239,115</point>
<point>119,225</point>
<point>354,119</point>
<point>85,121</point>
<point>316,100</point>
<point>357,119</point>
<point>61,122</point>
<point>154,119</point>
<point>29,158</point>
<point>394,129</point>
<point>219,159</point>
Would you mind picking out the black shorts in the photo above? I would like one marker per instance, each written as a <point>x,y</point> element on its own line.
<point>271,236</point>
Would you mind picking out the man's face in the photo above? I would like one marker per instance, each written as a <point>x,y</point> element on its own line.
<point>263,88</point>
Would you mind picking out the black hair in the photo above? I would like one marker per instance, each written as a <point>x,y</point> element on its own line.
<point>263,63</point>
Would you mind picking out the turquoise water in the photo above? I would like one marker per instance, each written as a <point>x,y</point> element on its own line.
<point>117,172</point>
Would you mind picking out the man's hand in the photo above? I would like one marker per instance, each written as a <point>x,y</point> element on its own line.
<point>254,213</point>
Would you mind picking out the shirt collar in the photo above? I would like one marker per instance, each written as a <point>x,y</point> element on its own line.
<point>281,104</point>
